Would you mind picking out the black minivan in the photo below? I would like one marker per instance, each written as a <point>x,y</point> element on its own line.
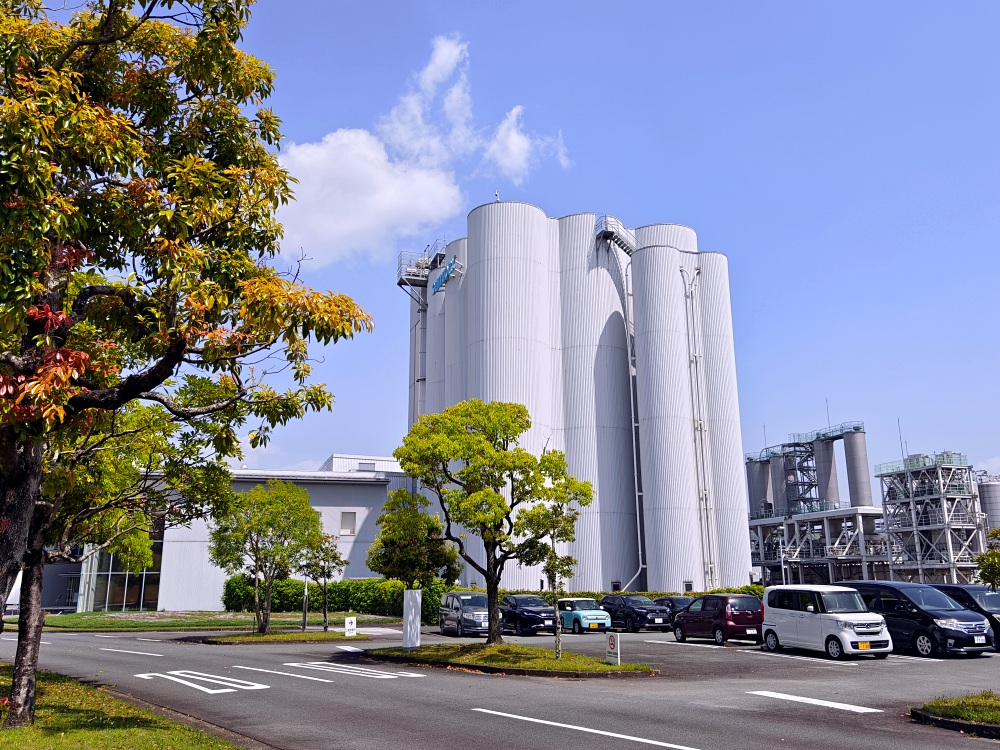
<point>924,619</point>
<point>978,598</point>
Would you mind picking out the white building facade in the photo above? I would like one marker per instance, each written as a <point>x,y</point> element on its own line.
<point>620,344</point>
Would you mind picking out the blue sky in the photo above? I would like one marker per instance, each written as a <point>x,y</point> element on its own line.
<point>843,155</point>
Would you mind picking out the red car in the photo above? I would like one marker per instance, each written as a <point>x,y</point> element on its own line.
<point>720,617</point>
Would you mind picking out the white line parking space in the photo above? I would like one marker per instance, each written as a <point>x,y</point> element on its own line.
<point>817,659</point>
<point>5,638</point>
<point>617,736</point>
<point>815,702</point>
<point>123,651</point>
<point>696,645</point>
<point>153,640</point>
<point>352,649</point>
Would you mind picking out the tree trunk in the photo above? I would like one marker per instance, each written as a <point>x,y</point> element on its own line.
<point>257,615</point>
<point>326,607</point>
<point>29,635</point>
<point>265,610</point>
<point>493,597</point>
<point>20,489</point>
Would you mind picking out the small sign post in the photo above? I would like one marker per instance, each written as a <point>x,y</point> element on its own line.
<point>350,626</point>
<point>613,654</point>
<point>411,618</point>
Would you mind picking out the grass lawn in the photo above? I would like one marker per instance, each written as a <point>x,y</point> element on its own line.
<point>981,707</point>
<point>310,636</point>
<point>509,655</point>
<point>71,716</point>
<point>137,621</point>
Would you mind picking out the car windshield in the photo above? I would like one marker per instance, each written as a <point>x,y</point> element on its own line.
<point>644,601</point>
<point>682,601</point>
<point>929,598</point>
<point>839,602</point>
<point>988,600</point>
<point>744,604</point>
<point>473,600</point>
<point>586,604</point>
<point>532,601</point>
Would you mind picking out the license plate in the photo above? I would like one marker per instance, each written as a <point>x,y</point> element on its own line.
<point>595,624</point>
<point>751,631</point>
<point>548,622</point>
<point>863,645</point>
<point>980,639</point>
<point>657,620</point>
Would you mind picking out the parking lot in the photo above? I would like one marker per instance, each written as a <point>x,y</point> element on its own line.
<point>733,697</point>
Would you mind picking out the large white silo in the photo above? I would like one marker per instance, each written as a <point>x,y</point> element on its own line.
<point>670,487</point>
<point>989,500</point>
<point>722,420</point>
<point>436,346</point>
<point>597,411</point>
<point>456,326</point>
<point>511,254</point>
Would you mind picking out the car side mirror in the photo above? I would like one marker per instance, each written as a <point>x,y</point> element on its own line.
<point>810,608</point>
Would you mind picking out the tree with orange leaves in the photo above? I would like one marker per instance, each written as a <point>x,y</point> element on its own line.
<point>138,190</point>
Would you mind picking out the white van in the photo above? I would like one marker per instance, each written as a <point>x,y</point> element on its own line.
<point>833,619</point>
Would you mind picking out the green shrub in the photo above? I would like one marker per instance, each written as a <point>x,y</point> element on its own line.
<point>379,596</point>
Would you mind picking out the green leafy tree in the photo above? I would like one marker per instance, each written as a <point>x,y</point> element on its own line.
<point>468,458</point>
<point>989,561</point>
<point>266,532</point>
<point>138,187</point>
<point>320,563</point>
<point>410,546</point>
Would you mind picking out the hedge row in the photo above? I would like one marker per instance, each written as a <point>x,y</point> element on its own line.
<point>378,596</point>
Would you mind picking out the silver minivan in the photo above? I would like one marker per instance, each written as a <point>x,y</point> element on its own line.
<point>833,619</point>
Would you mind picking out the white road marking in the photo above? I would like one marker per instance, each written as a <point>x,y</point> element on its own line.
<point>287,674</point>
<point>154,640</point>
<point>824,662</point>
<point>229,684</point>
<point>816,702</point>
<point>350,648</point>
<point>586,729</point>
<point>5,638</point>
<point>202,688</point>
<point>106,636</point>
<point>123,651</point>
<point>697,645</point>
<point>351,669</point>
<point>913,658</point>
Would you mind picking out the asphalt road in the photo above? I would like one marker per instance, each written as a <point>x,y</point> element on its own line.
<point>724,698</point>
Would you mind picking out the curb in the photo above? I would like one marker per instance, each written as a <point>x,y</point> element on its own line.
<point>512,671</point>
<point>989,731</point>
<point>209,640</point>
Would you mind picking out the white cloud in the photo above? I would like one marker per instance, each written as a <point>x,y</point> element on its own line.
<point>991,465</point>
<point>361,191</point>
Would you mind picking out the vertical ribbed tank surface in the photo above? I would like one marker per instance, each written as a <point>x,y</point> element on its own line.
<point>510,351</point>
<point>722,421</point>
<point>456,326</point>
<point>436,348</point>
<point>596,406</point>
<point>779,485</point>
<point>670,490</point>
<point>826,471</point>
<point>759,486</point>
<point>989,501</point>
<point>859,483</point>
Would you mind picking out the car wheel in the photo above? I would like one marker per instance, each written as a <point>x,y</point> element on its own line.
<point>441,625</point>
<point>834,649</point>
<point>461,630</point>
<point>519,629</point>
<point>720,637</point>
<point>679,634</point>
<point>924,644</point>
<point>771,641</point>
<point>630,625</point>
<point>577,627</point>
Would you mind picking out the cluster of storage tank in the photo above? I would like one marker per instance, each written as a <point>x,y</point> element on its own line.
<point>773,476</point>
<point>620,344</point>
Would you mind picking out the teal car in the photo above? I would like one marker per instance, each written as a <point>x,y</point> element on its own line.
<point>581,615</point>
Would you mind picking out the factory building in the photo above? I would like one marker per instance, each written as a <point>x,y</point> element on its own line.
<point>620,343</point>
<point>801,529</point>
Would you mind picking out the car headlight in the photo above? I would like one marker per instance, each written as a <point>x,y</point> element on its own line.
<point>468,616</point>
<point>950,623</point>
<point>641,611</point>
<point>845,624</point>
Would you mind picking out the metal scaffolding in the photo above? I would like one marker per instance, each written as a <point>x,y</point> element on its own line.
<point>933,520</point>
